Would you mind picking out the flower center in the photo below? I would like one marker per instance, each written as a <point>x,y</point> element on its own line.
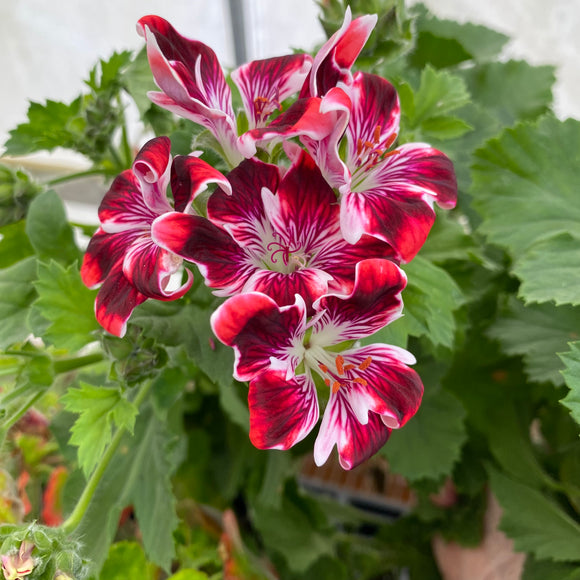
<point>370,153</point>
<point>344,374</point>
<point>263,107</point>
<point>284,258</point>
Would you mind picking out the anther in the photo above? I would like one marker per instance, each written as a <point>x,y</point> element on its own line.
<point>365,363</point>
<point>377,133</point>
<point>390,140</point>
<point>323,368</point>
<point>335,386</point>
<point>340,364</point>
<point>360,381</point>
<point>349,367</point>
<point>327,382</point>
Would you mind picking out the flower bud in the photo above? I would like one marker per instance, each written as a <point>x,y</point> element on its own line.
<point>16,566</point>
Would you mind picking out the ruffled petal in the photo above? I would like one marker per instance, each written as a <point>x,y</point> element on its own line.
<point>263,335</point>
<point>242,213</point>
<point>374,302</point>
<point>116,300</point>
<point>282,412</point>
<point>104,252</point>
<point>189,74</point>
<point>222,262</point>
<point>264,84</point>
<point>334,60</point>
<point>190,176</point>
<point>123,207</point>
<point>304,117</point>
<point>151,167</point>
<point>374,121</point>
<point>355,442</point>
<point>379,381</point>
<point>149,268</point>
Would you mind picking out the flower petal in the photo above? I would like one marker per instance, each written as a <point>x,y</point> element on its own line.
<point>189,74</point>
<point>282,412</point>
<point>241,213</point>
<point>355,442</point>
<point>333,61</point>
<point>262,334</point>
<point>151,167</point>
<point>149,268</point>
<point>116,300</point>
<point>388,388</point>
<point>222,262</point>
<point>304,117</point>
<point>190,176</point>
<point>264,84</point>
<point>374,302</point>
<point>123,207</point>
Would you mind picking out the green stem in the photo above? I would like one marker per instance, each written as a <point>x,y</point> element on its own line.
<point>78,175</point>
<point>76,516</point>
<point>22,411</point>
<point>124,138</point>
<point>119,163</point>
<point>70,364</point>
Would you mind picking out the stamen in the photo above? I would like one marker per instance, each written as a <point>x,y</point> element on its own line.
<point>327,382</point>
<point>390,140</point>
<point>323,368</point>
<point>365,363</point>
<point>335,386</point>
<point>377,133</point>
<point>369,145</point>
<point>340,364</point>
<point>360,381</point>
<point>349,367</point>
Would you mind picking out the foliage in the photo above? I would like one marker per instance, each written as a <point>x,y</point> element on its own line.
<point>491,313</point>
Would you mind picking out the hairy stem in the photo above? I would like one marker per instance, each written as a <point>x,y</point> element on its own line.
<point>77,514</point>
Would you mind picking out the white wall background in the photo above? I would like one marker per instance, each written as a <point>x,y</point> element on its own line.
<point>47,48</point>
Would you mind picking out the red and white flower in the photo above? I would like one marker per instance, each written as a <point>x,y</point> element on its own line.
<point>122,259</point>
<point>277,233</point>
<point>193,86</point>
<point>288,356</point>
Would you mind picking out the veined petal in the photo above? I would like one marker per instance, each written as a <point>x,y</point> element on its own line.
<point>282,412</point>
<point>355,442</point>
<point>374,121</point>
<point>190,176</point>
<point>262,334</point>
<point>242,213</point>
<point>104,252</point>
<point>151,167</point>
<point>222,262</point>
<point>149,268</point>
<point>189,74</point>
<point>388,387</point>
<point>374,302</point>
<point>304,117</point>
<point>123,207</point>
<point>333,61</point>
<point>325,150</point>
<point>264,84</point>
<point>116,300</point>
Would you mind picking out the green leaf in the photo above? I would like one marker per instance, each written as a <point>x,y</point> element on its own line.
<point>14,244</point>
<point>445,127</point>
<point>49,126</point>
<point>48,229</point>
<point>66,302</point>
<point>513,90</point>
<point>16,295</point>
<point>525,184</point>
<point>430,299</point>
<point>428,446</point>
<point>572,377</point>
<point>548,570</point>
<point>139,81</point>
<point>125,560</point>
<point>17,189</point>
<point>99,409</point>
<point>107,73</point>
<point>189,574</point>
<point>550,271</point>
<point>439,93</point>
<point>478,42</point>
<point>537,332</point>
<point>139,475</point>
<point>534,521</point>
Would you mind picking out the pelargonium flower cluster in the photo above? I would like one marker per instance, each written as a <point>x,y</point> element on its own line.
<point>306,250</point>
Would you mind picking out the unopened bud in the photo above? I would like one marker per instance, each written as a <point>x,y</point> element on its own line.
<point>16,566</point>
<point>60,575</point>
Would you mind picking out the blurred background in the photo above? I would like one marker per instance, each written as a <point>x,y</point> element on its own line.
<point>46,52</point>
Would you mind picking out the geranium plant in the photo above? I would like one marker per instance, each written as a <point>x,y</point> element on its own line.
<point>279,274</point>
